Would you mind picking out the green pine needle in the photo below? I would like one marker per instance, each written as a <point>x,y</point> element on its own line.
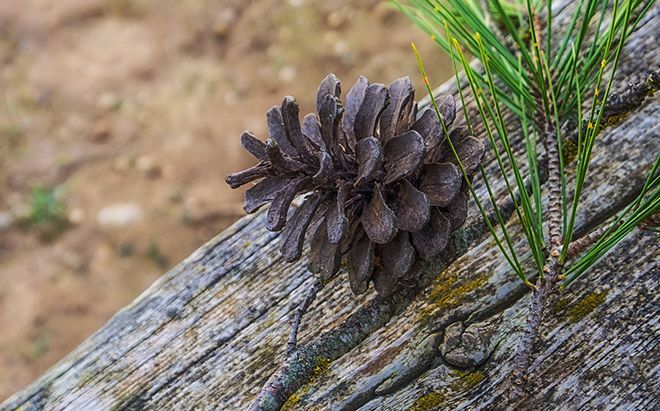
<point>544,79</point>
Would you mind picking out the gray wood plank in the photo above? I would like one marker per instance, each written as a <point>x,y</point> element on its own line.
<point>210,332</point>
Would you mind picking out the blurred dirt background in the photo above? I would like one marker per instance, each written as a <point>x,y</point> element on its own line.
<point>118,122</point>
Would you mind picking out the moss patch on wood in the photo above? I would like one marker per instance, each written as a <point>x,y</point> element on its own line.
<point>575,312</point>
<point>445,294</point>
<point>322,365</point>
<point>465,381</point>
<point>429,402</point>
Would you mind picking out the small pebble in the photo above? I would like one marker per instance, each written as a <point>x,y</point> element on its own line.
<point>287,74</point>
<point>223,23</point>
<point>76,216</point>
<point>336,19</point>
<point>6,220</point>
<point>148,166</point>
<point>121,164</point>
<point>100,133</point>
<point>120,215</point>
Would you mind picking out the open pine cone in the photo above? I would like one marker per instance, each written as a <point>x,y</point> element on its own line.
<point>382,184</point>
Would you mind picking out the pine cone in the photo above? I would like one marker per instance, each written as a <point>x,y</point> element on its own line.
<point>382,185</point>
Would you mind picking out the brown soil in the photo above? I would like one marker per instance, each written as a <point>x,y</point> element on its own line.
<point>142,102</point>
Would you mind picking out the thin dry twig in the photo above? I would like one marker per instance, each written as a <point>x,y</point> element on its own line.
<point>300,312</point>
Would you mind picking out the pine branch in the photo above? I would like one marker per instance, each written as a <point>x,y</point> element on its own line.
<point>624,102</point>
<point>575,77</point>
<point>587,241</point>
<point>619,105</point>
<point>547,283</point>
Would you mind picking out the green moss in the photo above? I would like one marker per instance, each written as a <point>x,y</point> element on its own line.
<point>322,365</point>
<point>85,377</point>
<point>569,151</point>
<point>293,400</point>
<point>560,305</point>
<point>615,120</point>
<point>446,295</point>
<point>48,212</point>
<point>586,305</point>
<point>430,401</point>
<point>467,380</point>
<point>12,131</point>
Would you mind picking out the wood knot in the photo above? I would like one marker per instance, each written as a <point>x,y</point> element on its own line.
<point>468,347</point>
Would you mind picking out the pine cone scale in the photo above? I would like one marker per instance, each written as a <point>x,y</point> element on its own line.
<point>337,221</point>
<point>378,220</point>
<point>403,155</point>
<point>279,208</point>
<point>354,99</point>
<point>263,192</point>
<point>324,257</point>
<point>440,182</point>
<point>375,101</point>
<point>361,261</point>
<point>254,146</point>
<point>277,131</point>
<point>330,85</point>
<point>394,119</point>
<point>294,234</point>
<point>290,111</point>
<point>412,208</point>
<point>311,129</point>
<point>397,258</point>
<point>433,238</point>
<point>370,159</point>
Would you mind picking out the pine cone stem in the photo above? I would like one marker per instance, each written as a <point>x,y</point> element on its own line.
<point>302,308</point>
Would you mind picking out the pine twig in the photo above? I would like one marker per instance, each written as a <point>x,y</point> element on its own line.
<point>617,104</point>
<point>547,283</point>
<point>633,97</point>
<point>587,241</point>
<point>300,312</point>
<point>620,104</point>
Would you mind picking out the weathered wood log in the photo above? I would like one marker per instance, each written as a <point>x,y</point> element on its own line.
<point>210,332</point>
